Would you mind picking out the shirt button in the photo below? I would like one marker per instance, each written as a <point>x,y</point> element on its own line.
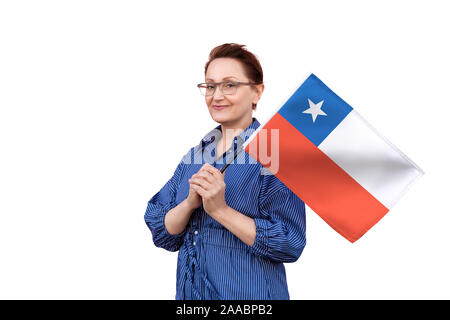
<point>195,232</point>
<point>194,243</point>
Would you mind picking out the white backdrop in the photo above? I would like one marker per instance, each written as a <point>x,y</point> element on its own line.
<point>98,103</point>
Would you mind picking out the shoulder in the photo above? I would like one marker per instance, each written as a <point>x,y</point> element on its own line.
<point>187,158</point>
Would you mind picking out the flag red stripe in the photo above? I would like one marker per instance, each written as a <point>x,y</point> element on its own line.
<point>316,179</point>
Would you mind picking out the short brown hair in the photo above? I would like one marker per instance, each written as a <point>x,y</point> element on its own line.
<point>252,67</point>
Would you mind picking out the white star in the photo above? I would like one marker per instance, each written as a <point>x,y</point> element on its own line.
<point>314,109</point>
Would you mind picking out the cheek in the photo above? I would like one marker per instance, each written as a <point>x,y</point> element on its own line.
<point>243,99</point>
<point>242,105</point>
<point>236,101</point>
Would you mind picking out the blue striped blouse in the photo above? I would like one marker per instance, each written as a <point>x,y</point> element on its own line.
<point>212,262</point>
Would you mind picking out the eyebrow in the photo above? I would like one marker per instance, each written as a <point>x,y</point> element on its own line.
<point>223,78</point>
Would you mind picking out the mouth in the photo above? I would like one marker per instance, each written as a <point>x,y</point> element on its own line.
<point>219,107</point>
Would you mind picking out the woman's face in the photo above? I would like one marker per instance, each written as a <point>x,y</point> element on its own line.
<point>238,105</point>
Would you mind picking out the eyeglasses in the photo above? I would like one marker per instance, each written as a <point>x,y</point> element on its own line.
<point>226,87</point>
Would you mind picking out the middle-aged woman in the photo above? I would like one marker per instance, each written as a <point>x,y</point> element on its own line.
<point>233,230</point>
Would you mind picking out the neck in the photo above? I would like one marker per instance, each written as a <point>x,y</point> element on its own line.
<point>229,131</point>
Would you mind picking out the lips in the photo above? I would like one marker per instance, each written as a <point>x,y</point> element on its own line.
<point>219,107</point>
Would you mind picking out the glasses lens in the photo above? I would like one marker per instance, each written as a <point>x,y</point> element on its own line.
<point>207,89</point>
<point>229,88</point>
<point>210,89</point>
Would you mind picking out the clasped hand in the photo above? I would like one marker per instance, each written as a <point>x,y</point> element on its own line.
<point>209,183</point>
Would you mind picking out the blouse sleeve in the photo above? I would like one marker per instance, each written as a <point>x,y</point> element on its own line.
<point>157,208</point>
<point>281,231</point>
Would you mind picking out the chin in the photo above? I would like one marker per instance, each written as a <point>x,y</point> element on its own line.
<point>220,116</point>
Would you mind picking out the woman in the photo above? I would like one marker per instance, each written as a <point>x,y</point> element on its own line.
<point>233,230</point>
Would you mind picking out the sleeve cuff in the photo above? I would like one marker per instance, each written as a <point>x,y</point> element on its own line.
<point>265,231</point>
<point>161,237</point>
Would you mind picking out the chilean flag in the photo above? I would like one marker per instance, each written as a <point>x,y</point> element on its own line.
<point>333,159</point>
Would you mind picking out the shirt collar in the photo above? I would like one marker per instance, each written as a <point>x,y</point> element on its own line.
<point>217,132</point>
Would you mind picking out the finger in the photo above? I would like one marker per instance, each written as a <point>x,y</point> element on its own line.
<point>201,172</point>
<point>207,165</point>
<point>198,189</point>
<point>201,182</point>
<point>206,175</point>
<point>205,168</point>
<point>214,171</point>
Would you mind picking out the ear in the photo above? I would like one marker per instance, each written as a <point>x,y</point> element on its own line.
<point>259,91</point>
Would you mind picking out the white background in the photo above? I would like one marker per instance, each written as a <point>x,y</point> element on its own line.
<point>98,103</point>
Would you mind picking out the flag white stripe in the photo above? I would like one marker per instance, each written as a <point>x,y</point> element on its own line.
<point>374,162</point>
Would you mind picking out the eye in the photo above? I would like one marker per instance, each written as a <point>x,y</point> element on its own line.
<point>230,84</point>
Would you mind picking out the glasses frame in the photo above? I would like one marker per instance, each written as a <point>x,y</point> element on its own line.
<point>238,83</point>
